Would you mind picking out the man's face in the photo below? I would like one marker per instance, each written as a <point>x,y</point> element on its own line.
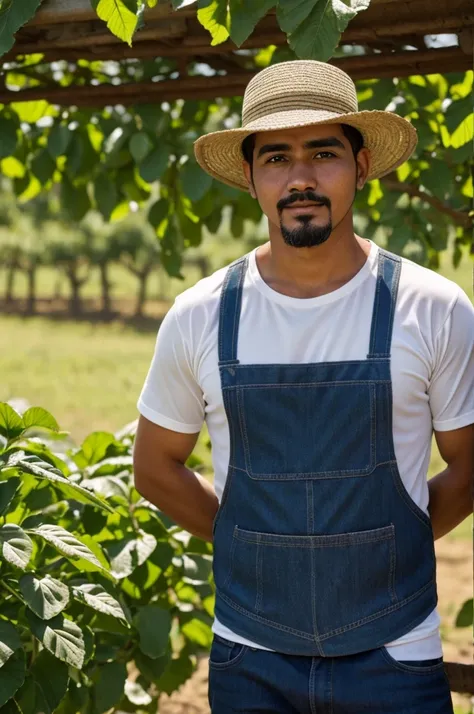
<point>305,180</point>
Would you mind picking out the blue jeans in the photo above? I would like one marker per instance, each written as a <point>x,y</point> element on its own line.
<point>251,681</point>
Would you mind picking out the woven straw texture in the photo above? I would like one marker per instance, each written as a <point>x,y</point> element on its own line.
<point>300,93</point>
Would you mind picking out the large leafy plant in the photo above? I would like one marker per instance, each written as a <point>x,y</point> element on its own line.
<point>104,603</point>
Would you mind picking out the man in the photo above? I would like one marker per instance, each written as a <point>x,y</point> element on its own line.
<point>321,364</point>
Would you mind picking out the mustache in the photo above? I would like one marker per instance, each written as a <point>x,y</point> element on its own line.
<point>304,196</point>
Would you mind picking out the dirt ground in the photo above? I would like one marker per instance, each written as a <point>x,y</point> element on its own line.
<point>454,563</point>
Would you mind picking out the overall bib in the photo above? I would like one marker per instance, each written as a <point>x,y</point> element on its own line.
<point>318,548</point>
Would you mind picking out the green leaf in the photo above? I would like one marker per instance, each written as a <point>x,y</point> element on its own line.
<point>62,637</point>
<point>43,470</point>
<point>13,15</point>
<point>291,13</point>
<point>67,544</point>
<point>197,568</point>
<point>154,625</point>
<point>319,35</point>
<point>11,707</point>
<point>154,165</point>
<point>177,673</point>
<point>58,140</point>
<point>46,597</point>
<point>109,687</point>
<point>9,641</point>
<point>51,678</point>
<point>11,423</point>
<point>152,669</point>
<point>212,14</point>
<point>121,17</point>
<point>127,554</point>
<point>140,146</point>
<point>74,199</point>
<point>8,489</point>
<point>198,632</point>
<point>95,446</point>
<point>17,547</point>
<point>465,615</point>
<point>105,194</point>
<point>244,15</point>
<point>457,112</point>
<point>37,416</point>
<point>195,182</point>
<point>99,599</point>
<point>8,135</point>
<point>12,676</point>
<point>43,166</point>
<point>158,212</point>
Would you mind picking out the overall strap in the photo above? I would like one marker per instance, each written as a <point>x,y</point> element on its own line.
<point>388,278</point>
<point>229,311</point>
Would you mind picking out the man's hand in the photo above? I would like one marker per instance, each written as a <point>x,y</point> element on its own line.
<point>162,478</point>
<point>451,491</point>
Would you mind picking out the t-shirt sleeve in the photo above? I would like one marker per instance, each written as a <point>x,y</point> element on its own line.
<point>171,396</point>
<point>451,390</point>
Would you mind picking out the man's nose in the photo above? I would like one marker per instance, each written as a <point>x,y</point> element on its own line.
<point>301,177</point>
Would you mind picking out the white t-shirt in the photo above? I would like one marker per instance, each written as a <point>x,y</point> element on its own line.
<point>432,370</point>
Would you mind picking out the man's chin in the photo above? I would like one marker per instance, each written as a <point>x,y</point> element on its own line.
<point>304,238</point>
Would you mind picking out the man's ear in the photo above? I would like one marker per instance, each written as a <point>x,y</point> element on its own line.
<point>363,167</point>
<point>248,176</point>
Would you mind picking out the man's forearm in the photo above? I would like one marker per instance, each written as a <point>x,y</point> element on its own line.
<point>450,501</point>
<point>186,497</point>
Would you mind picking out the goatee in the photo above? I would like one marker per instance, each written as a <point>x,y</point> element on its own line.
<point>306,235</point>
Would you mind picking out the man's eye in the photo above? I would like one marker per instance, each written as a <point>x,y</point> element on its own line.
<point>271,160</point>
<point>325,153</point>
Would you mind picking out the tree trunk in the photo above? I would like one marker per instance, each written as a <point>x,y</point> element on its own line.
<point>141,296</point>
<point>31,299</point>
<point>105,286</point>
<point>11,273</point>
<point>75,303</point>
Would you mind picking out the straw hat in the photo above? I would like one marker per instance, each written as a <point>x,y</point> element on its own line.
<point>300,93</point>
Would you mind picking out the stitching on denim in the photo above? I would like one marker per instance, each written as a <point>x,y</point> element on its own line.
<point>393,299</point>
<point>230,663</point>
<point>290,385</point>
<point>230,568</point>
<point>381,613</point>
<point>391,575</point>
<point>226,294</point>
<point>319,475</point>
<point>332,633</point>
<point>406,668</point>
<point>259,577</point>
<point>312,687</point>
<point>374,324</point>
<point>296,365</point>
<point>414,508</point>
<point>331,692</point>
<point>366,469</point>
<point>264,621</point>
<point>316,541</point>
<point>237,307</point>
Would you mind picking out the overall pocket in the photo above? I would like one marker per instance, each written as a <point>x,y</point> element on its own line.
<point>313,585</point>
<point>288,433</point>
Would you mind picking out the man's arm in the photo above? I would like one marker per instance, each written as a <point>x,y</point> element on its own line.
<point>451,491</point>
<point>162,478</point>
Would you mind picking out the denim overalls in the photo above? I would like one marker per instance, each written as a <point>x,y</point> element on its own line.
<point>318,548</point>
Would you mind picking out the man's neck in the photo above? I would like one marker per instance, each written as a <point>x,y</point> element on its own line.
<point>311,272</point>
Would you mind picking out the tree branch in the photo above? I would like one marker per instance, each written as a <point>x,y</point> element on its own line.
<point>461,218</point>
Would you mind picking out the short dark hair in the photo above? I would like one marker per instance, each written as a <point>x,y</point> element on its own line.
<point>352,134</point>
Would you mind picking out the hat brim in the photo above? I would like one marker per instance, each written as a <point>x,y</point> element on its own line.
<point>390,139</point>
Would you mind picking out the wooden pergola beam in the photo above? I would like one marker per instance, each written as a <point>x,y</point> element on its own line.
<point>234,83</point>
